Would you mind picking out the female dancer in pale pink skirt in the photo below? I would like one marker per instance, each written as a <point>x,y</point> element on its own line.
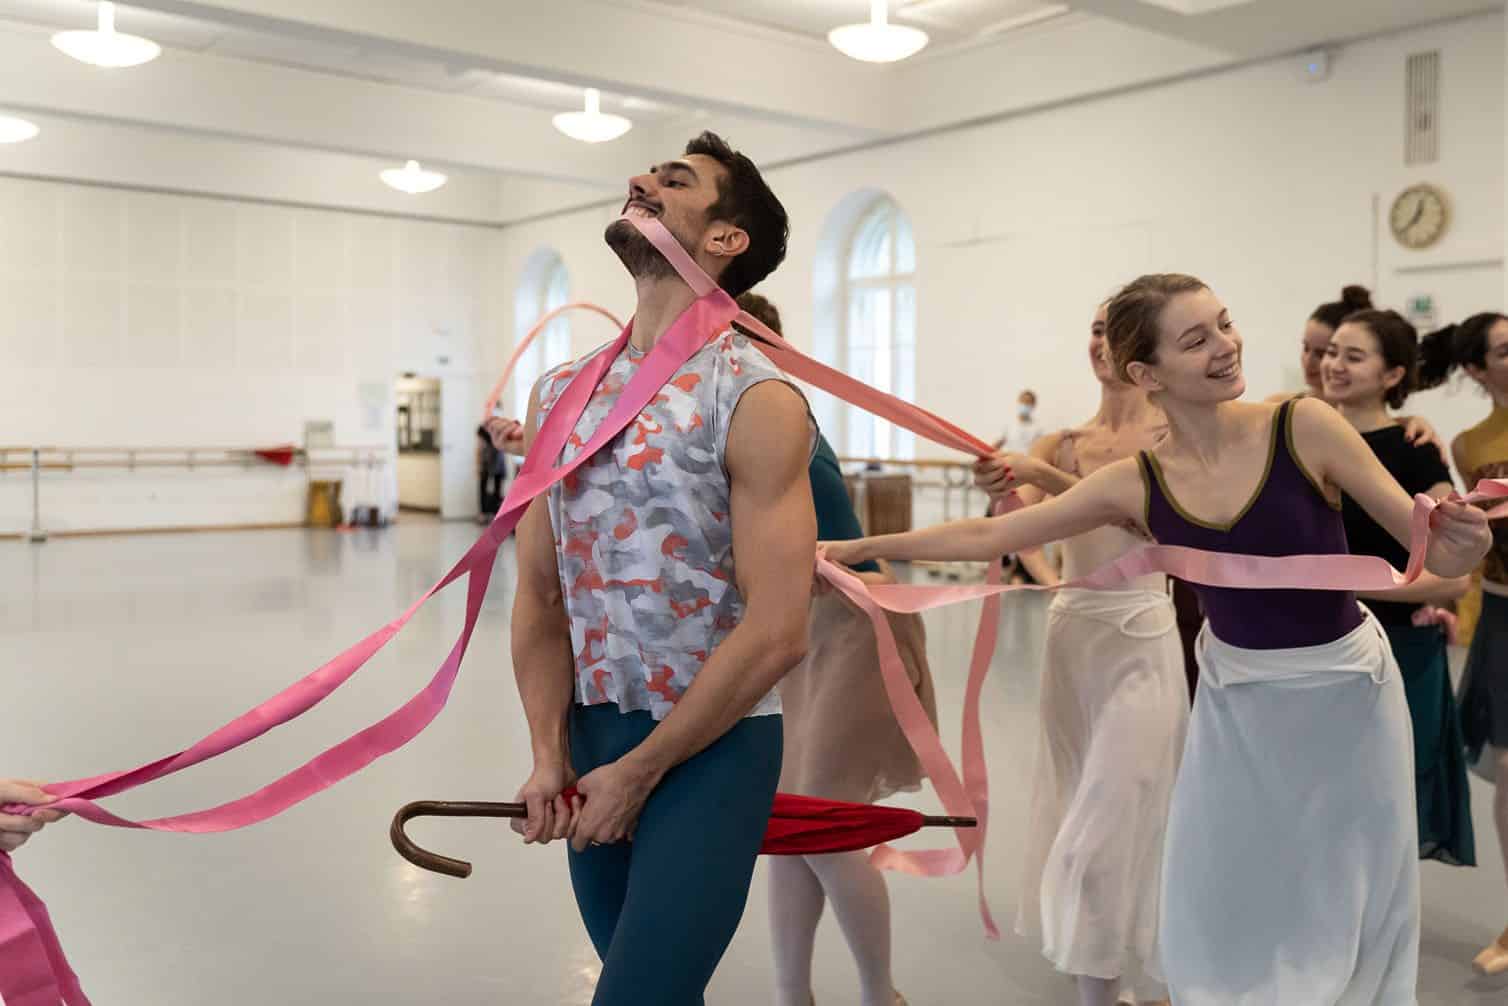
<point>1114,711</point>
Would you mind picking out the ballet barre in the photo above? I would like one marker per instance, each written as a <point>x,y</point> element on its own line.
<point>955,481</point>
<point>36,459</point>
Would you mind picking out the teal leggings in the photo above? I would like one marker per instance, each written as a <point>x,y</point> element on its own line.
<point>662,909</point>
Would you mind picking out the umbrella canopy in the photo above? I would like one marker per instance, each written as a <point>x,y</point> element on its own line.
<point>799,826</point>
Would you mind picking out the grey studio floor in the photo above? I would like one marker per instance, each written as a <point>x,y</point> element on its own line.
<point>119,650</point>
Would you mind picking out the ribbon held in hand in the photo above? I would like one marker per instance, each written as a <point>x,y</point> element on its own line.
<point>500,388</point>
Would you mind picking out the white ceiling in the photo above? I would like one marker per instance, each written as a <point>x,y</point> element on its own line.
<point>348,59</point>
<point>469,83</point>
<point>947,21</point>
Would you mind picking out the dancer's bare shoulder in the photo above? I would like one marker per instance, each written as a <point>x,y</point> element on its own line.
<point>1117,490</point>
<point>1092,447</point>
<point>1048,446</point>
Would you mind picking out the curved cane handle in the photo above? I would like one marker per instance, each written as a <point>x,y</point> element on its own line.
<point>423,858</point>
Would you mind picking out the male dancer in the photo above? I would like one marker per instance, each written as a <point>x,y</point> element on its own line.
<point>663,591</point>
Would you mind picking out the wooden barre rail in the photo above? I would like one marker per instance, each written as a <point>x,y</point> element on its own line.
<point>361,461</point>
<point>192,458</point>
<point>68,466</point>
<point>297,451</point>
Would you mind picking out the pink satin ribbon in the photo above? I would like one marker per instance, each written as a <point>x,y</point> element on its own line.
<point>1444,618</point>
<point>523,345</point>
<point>33,969</point>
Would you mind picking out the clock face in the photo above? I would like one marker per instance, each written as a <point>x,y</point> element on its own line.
<point>1419,216</point>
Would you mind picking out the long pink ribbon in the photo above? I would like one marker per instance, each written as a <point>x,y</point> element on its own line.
<point>33,968</point>
<point>967,796</point>
<point>528,340</point>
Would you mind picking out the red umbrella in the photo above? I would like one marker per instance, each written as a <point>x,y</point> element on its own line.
<point>799,826</point>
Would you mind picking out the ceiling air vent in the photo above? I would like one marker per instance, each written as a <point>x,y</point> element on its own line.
<point>1421,135</point>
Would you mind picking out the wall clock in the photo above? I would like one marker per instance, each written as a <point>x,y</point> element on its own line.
<point>1419,216</point>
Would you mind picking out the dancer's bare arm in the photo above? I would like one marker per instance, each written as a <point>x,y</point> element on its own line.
<point>1334,452</point>
<point>543,665</point>
<point>774,540</point>
<point>1113,493</point>
<point>1034,475</point>
<point>1034,478</point>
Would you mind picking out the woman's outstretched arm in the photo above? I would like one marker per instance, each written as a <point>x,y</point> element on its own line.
<point>1111,494</point>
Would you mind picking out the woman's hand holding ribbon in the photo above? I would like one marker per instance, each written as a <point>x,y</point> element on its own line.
<point>1459,537</point>
<point>15,829</point>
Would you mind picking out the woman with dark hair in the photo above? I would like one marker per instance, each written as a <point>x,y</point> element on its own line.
<point>1292,840</point>
<point>842,742</point>
<point>1322,323</point>
<point>1479,346</point>
<point>1371,366</point>
<point>1319,330</point>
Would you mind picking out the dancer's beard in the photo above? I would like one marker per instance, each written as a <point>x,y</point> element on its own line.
<point>641,258</point>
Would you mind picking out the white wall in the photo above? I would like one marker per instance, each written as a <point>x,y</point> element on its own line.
<point>139,320</point>
<point>143,320</point>
<point>1253,179</point>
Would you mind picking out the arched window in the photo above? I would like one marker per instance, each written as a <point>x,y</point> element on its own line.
<point>545,286</point>
<point>864,322</point>
<point>879,323</point>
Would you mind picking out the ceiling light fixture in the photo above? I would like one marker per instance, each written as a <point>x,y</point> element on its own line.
<point>105,46</point>
<point>412,179</point>
<point>592,125</point>
<point>878,41</point>
<point>1196,7</point>
<point>14,130</point>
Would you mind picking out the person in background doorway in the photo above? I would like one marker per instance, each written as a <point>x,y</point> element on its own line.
<point>492,470</point>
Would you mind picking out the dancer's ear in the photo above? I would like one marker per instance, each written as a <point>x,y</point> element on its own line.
<point>1142,376</point>
<point>725,241</point>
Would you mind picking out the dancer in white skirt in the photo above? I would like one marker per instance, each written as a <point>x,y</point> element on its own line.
<point>1114,711</point>
<point>1289,866</point>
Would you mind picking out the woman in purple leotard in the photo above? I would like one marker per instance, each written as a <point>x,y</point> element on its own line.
<point>1291,843</point>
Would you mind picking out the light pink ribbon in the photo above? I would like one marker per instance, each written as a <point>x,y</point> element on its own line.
<point>967,796</point>
<point>1443,617</point>
<point>496,394</point>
